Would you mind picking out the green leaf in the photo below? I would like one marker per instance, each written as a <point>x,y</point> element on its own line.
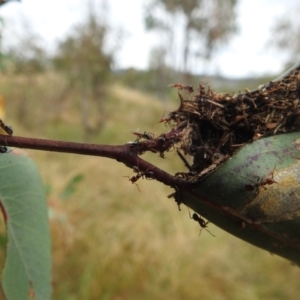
<point>27,268</point>
<point>238,198</point>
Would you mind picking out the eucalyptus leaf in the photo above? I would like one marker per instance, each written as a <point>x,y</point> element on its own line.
<point>27,268</point>
<point>255,195</point>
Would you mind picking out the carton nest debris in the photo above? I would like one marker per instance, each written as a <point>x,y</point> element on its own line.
<point>214,126</point>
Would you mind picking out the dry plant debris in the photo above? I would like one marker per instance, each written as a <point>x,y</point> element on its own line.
<point>210,126</point>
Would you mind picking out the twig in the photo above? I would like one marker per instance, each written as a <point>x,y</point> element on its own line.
<point>122,153</point>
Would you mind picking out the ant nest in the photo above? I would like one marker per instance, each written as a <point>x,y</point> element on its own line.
<point>214,126</point>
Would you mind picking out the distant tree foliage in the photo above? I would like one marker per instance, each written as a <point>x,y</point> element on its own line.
<point>285,35</point>
<point>202,26</point>
<point>82,54</point>
<point>2,2</point>
<point>28,56</point>
<point>3,56</point>
<point>83,59</point>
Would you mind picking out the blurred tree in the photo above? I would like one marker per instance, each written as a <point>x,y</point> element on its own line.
<point>161,73</point>
<point>28,56</point>
<point>82,57</point>
<point>2,2</point>
<point>285,36</point>
<point>24,56</point>
<point>201,25</point>
<point>3,57</point>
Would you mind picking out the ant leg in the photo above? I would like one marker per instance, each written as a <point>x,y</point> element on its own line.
<point>132,180</point>
<point>137,186</point>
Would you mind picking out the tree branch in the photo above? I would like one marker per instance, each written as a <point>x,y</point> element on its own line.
<point>127,154</point>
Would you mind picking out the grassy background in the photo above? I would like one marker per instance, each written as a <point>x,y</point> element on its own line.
<point>112,241</point>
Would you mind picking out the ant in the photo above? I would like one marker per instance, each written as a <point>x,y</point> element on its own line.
<point>3,149</point>
<point>166,120</point>
<point>7,129</point>
<point>176,196</point>
<point>146,135</point>
<point>201,221</point>
<point>188,88</point>
<point>267,181</point>
<point>172,116</point>
<point>140,174</point>
<point>134,179</point>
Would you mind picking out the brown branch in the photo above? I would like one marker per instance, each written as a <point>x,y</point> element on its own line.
<point>124,153</point>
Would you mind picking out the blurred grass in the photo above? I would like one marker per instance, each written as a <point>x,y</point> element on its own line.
<point>111,241</point>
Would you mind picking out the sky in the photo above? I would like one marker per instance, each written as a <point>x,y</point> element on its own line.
<point>245,55</point>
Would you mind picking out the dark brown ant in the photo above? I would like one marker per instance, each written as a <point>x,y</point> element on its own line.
<point>161,155</point>
<point>201,221</point>
<point>166,120</point>
<point>140,174</point>
<point>176,196</point>
<point>179,86</point>
<point>190,175</point>
<point>202,84</point>
<point>7,129</point>
<point>146,135</point>
<point>267,181</point>
<point>3,149</point>
<point>161,139</point>
<point>201,87</point>
<point>181,175</point>
<point>134,179</point>
<point>132,144</point>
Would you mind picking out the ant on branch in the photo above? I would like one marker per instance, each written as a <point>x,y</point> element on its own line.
<point>146,135</point>
<point>140,174</point>
<point>201,221</point>
<point>176,196</point>
<point>166,120</point>
<point>267,181</point>
<point>179,86</point>
<point>7,129</point>
<point>3,149</point>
